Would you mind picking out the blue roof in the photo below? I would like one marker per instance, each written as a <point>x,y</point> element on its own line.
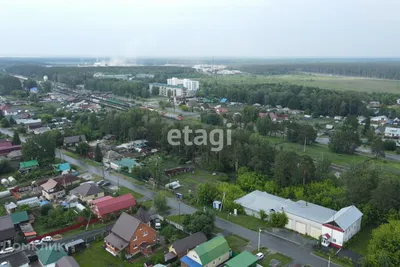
<point>44,202</point>
<point>33,89</point>
<point>63,167</point>
<point>189,262</point>
<point>223,100</point>
<point>128,162</point>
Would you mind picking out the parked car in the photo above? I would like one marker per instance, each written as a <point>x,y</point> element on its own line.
<point>260,255</point>
<point>100,183</point>
<point>36,242</point>
<point>107,183</point>
<point>157,224</point>
<point>47,239</point>
<point>7,250</point>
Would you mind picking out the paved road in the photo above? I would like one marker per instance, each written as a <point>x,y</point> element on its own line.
<point>299,254</point>
<point>360,150</point>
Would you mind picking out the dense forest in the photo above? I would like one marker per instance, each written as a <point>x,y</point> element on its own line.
<point>72,76</point>
<point>8,84</point>
<point>310,99</point>
<point>382,70</point>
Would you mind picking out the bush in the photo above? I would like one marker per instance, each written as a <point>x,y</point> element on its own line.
<point>278,219</point>
<point>263,215</point>
<point>389,145</point>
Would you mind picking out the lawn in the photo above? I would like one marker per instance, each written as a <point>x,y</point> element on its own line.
<point>124,190</point>
<point>176,218</point>
<point>189,181</point>
<point>95,255</point>
<point>277,256</point>
<point>342,83</point>
<point>246,221</point>
<point>236,243</point>
<point>359,243</point>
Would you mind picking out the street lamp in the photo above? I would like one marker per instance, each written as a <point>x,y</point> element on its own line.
<point>259,238</point>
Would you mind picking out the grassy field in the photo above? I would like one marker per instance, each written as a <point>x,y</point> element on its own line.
<point>321,81</point>
<point>95,255</point>
<point>189,181</point>
<point>268,256</point>
<point>237,243</point>
<point>123,190</point>
<point>359,243</point>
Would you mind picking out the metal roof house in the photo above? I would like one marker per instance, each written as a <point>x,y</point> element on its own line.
<point>304,217</point>
<point>28,165</point>
<point>244,259</point>
<point>211,253</point>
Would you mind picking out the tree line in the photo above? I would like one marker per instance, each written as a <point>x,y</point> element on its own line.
<point>382,70</point>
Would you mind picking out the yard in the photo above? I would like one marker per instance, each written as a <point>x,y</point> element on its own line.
<point>359,242</point>
<point>237,243</point>
<point>124,190</point>
<point>95,255</point>
<point>268,256</point>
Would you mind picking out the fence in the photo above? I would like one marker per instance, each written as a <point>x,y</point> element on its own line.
<point>64,230</point>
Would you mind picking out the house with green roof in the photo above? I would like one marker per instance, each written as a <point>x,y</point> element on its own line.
<point>28,165</point>
<point>19,217</point>
<point>49,256</point>
<point>211,253</point>
<point>244,259</point>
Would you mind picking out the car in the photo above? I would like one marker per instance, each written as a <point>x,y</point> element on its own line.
<point>36,242</point>
<point>7,250</point>
<point>107,183</point>
<point>260,255</point>
<point>47,239</point>
<point>100,183</point>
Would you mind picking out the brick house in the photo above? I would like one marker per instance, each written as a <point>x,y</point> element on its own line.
<point>104,206</point>
<point>130,235</point>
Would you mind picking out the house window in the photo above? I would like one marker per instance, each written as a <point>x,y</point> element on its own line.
<point>135,238</point>
<point>154,238</point>
<point>134,246</point>
<point>334,240</point>
<point>145,233</point>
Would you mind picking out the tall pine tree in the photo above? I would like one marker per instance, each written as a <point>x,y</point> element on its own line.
<point>98,156</point>
<point>16,140</point>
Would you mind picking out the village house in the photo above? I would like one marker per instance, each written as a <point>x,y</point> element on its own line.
<point>107,205</point>
<point>131,236</point>
<point>74,140</point>
<point>179,248</point>
<point>209,254</point>
<point>244,259</point>
<point>67,261</point>
<point>7,231</point>
<point>49,256</point>
<point>379,120</point>
<point>128,163</point>
<point>87,192</point>
<point>392,132</point>
<point>28,165</point>
<point>52,190</point>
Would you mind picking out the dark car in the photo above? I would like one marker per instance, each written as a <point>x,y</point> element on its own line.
<point>107,183</point>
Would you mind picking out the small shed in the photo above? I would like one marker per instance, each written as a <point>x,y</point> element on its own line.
<point>217,204</point>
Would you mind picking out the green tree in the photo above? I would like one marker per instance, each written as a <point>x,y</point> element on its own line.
<point>249,181</point>
<point>46,87</point>
<point>4,123</point>
<point>278,219</point>
<point>98,156</point>
<point>83,149</point>
<point>155,165</point>
<point>160,202</point>
<point>16,140</point>
<point>377,147</point>
<point>23,208</point>
<point>263,215</point>
<point>344,141</point>
<point>367,126</point>
<point>286,171</point>
<point>45,209</point>
<point>141,173</point>
<point>386,197</point>
<point>383,247</point>
<point>40,147</point>
<point>200,221</point>
<point>206,193</point>
<point>5,166</point>
<point>389,145</point>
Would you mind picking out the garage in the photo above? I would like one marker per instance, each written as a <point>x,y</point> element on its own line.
<point>301,228</point>
<point>315,232</point>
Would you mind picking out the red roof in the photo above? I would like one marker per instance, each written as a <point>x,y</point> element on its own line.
<point>327,236</point>
<point>6,150</point>
<point>4,107</point>
<point>5,143</point>
<point>115,204</point>
<point>96,201</point>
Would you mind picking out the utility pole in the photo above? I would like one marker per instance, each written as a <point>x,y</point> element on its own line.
<point>259,238</point>
<point>329,261</point>
<point>88,221</point>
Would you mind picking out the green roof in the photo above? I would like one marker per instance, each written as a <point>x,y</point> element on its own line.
<point>128,162</point>
<point>212,249</point>
<point>28,164</point>
<point>18,217</point>
<point>244,259</point>
<point>50,255</point>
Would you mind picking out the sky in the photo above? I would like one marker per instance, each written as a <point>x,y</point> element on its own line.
<point>200,28</point>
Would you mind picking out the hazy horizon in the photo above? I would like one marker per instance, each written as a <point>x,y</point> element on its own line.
<point>200,29</point>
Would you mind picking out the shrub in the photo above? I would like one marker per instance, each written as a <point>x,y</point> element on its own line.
<point>263,215</point>
<point>278,219</point>
<point>389,145</point>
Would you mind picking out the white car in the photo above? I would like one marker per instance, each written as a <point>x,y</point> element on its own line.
<point>36,242</point>
<point>7,250</point>
<point>47,239</point>
<point>260,255</point>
